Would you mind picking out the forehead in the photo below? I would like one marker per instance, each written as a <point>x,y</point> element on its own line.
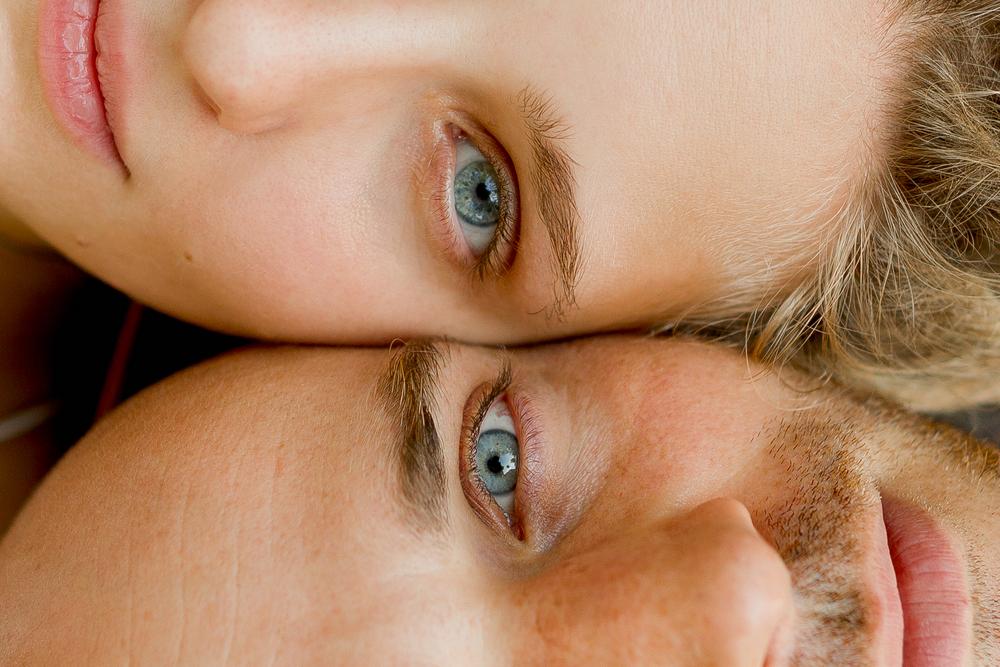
<point>260,477</point>
<point>735,121</point>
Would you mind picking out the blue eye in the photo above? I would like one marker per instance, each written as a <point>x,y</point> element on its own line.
<point>497,455</point>
<point>478,197</point>
<point>496,461</point>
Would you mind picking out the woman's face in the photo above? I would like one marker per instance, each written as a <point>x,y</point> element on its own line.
<point>493,171</point>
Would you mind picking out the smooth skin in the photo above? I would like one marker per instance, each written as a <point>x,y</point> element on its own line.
<point>682,509</point>
<point>283,181</point>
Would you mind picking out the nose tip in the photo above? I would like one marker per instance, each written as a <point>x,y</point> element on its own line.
<point>235,55</point>
<point>755,613</point>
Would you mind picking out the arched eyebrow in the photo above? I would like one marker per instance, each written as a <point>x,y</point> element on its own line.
<point>407,389</point>
<point>554,180</point>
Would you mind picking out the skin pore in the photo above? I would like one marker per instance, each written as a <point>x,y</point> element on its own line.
<point>289,166</point>
<point>673,506</point>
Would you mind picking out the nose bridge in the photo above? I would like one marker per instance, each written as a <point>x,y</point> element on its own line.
<point>702,590</point>
<point>257,61</point>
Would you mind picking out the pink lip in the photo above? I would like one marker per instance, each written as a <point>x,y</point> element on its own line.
<point>73,71</point>
<point>886,606</point>
<point>937,610</point>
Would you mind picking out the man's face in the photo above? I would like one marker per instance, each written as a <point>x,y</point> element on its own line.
<point>292,169</point>
<point>609,501</point>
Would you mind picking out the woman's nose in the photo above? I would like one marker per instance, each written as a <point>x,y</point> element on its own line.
<point>263,63</point>
<point>705,589</point>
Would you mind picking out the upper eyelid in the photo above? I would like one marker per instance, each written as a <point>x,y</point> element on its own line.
<point>499,385</point>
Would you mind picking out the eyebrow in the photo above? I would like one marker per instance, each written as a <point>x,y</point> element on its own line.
<point>554,180</point>
<point>407,388</point>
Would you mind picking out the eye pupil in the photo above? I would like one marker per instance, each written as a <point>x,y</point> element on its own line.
<point>493,465</point>
<point>477,194</point>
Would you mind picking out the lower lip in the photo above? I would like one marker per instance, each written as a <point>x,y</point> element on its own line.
<point>68,60</point>
<point>937,611</point>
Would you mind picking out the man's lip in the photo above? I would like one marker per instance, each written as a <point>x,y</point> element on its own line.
<point>885,606</point>
<point>937,609</point>
<point>73,72</point>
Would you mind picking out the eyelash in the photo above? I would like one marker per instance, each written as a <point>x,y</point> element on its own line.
<point>525,426</point>
<point>499,255</point>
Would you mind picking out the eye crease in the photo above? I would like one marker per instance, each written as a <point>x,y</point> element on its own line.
<point>497,455</point>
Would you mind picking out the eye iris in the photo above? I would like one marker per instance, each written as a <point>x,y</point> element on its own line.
<point>496,461</point>
<point>477,194</point>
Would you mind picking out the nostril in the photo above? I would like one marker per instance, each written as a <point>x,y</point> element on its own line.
<point>780,649</point>
<point>257,124</point>
<point>759,622</point>
<point>209,102</point>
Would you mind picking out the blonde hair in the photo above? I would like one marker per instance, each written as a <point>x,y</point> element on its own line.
<point>905,300</point>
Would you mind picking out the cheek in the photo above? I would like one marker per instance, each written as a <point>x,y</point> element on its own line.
<point>289,252</point>
<point>675,588</point>
<point>587,607</point>
<point>685,430</point>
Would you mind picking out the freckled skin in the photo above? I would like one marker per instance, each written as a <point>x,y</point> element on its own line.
<point>279,183</point>
<point>625,601</point>
<point>247,509</point>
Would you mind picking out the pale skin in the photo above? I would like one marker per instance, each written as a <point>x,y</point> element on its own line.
<point>281,180</point>
<point>249,511</point>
